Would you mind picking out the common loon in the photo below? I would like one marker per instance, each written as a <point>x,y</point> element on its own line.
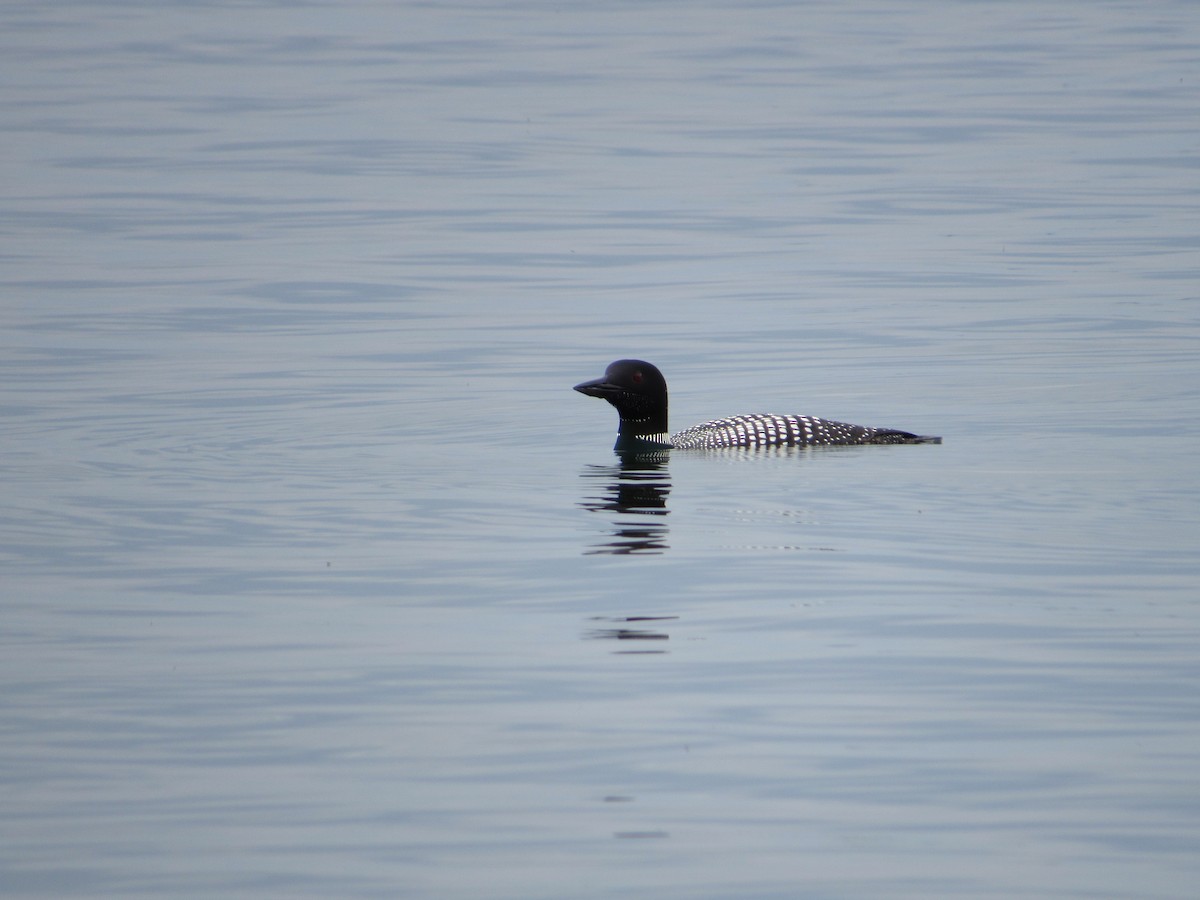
<point>639,392</point>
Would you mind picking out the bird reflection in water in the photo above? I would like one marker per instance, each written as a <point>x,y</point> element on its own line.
<point>631,628</point>
<point>635,492</point>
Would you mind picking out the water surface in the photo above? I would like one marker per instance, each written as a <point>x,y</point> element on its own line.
<point>320,580</point>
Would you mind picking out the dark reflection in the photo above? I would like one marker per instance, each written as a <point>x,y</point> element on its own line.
<point>634,491</point>
<point>630,628</point>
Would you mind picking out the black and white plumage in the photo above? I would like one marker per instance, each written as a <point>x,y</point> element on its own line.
<point>639,392</point>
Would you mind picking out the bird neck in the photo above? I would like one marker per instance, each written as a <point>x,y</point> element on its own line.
<point>644,421</point>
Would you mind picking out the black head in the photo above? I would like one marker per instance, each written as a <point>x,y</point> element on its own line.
<point>638,391</point>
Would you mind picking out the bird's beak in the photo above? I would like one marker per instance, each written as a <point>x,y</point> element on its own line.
<point>597,387</point>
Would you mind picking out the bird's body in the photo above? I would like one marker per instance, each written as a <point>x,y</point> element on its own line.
<point>639,392</point>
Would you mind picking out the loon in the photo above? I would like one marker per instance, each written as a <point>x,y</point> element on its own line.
<point>639,392</point>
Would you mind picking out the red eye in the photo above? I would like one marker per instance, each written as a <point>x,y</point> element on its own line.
<point>637,377</point>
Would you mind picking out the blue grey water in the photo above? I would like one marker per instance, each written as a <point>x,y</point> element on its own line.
<point>319,580</point>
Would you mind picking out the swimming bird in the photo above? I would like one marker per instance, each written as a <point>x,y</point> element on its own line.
<point>639,392</point>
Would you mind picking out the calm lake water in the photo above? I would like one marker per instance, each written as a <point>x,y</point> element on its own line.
<point>319,580</point>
